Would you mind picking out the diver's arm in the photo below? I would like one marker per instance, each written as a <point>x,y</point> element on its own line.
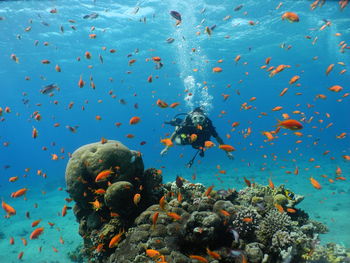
<point>166,148</point>
<point>221,141</point>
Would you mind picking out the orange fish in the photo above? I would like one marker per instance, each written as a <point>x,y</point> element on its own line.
<point>179,197</point>
<point>34,133</point>
<point>103,175</point>
<point>137,198</point>
<point>237,58</point>
<point>225,96</point>
<point>226,147</point>
<point>291,210</point>
<point>329,69</point>
<point>36,222</point>
<point>346,157</point>
<point>213,254</point>
<point>199,258</point>
<point>247,182</point>
<point>278,69</point>
<point>272,186</point>
<point>315,183</point>
<point>58,68</point>
<point>296,170</point>
<point>132,61</point>
<point>24,241</point>
<point>154,219</point>
<point>156,59</point>
<point>64,210</point>
<point>193,137</point>
<point>87,54</point>
<point>115,240</point>
<point>217,69</point>
<point>134,120</point>
<point>336,88</point>
<point>235,124</point>
<point>294,79</point>
<point>162,104</point>
<point>167,142</point>
<point>175,104</point>
<point>19,192</point>
<point>15,58</point>
<point>81,83</point>
<point>247,219</point>
<point>268,135</point>
<point>173,215</point>
<point>113,214</point>
<point>290,124</point>
<point>152,253</point>
<point>279,208</point>
<point>162,202</point>
<point>208,144</point>
<point>224,212</point>
<point>341,136</point>
<point>277,108</point>
<point>96,205</point>
<point>208,191</point>
<point>299,134</point>
<point>100,191</point>
<point>338,171</point>
<point>291,17</point>
<point>36,233</point>
<point>8,209</point>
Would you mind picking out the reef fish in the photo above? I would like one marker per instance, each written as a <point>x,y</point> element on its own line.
<point>36,233</point>
<point>47,89</point>
<point>291,17</point>
<point>103,175</point>
<point>290,124</point>
<point>315,183</point>
<point>237,8</point>
<point>170,40</point>
<point>226,147</point>
<point>8,209</point>
<point>176,15</point>
<point>91,16</point>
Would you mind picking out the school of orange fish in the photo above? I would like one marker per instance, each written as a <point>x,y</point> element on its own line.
<point>292,125</point>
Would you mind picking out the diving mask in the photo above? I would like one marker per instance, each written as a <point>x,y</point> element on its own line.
<point>198,119</point>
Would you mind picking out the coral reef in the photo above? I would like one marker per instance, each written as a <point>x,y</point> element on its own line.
<point>130,216</point>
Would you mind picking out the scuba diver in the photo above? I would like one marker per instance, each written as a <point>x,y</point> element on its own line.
<point>195,129</point>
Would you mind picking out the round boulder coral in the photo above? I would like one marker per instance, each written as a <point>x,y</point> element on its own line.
<point>119,197</point>
<point>91,159</point>
<point>202,228</point>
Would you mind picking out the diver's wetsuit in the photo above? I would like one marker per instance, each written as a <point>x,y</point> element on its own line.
<point>187,128</point>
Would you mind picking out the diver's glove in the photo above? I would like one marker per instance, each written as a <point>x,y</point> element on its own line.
<point>230,155</point>
<point>164,152</point>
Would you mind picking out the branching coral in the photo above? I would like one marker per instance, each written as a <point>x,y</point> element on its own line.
<point>273,221</point>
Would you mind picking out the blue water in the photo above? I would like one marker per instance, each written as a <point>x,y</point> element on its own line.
<point>142,35</point>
